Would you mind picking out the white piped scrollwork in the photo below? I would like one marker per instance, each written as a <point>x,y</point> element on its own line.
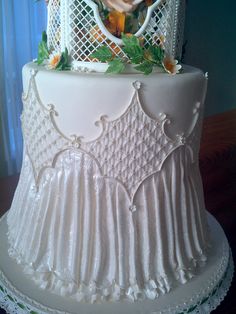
<point>130,148</point>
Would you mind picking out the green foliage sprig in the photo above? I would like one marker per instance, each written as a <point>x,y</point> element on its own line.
<point>44,55</point>
<point>43,51</point>
<point>144,59</point>
<point>64,62</point>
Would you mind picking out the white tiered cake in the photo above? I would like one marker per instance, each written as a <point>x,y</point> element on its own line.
<point>109,206</point>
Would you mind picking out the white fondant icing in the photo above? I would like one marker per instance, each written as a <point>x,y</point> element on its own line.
<point>110,95</point>
<point>82,230</point>
<point>129,149</point>
<point>85,237</point>
<point>18,294</point>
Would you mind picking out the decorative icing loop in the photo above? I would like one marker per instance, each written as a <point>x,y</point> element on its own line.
<point>181,138</point>
<point>133,208</point>
<point>130,149</point>
<point>76,142</point>
<point>33,73</point>
<point>52,110</point>
<point>137,85</point>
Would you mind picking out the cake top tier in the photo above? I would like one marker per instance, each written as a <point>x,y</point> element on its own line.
<point>82,26</point>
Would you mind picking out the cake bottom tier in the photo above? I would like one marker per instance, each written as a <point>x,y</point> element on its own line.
<point>202,294</point>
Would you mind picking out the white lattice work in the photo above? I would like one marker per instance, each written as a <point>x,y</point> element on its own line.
<point>79,26</point>
<point>54,25</point>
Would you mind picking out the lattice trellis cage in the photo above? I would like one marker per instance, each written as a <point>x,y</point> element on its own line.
<point>79,26</point>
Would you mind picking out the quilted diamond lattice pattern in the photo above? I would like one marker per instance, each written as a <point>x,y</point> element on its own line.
<point>132,147</point>
<point>41,138</point>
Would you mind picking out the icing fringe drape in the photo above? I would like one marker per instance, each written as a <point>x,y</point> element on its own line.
<point>21,25</point>
<point>112,253</point>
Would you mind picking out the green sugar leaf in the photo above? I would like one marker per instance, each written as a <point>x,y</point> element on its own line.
<point>130,40</point>
<point>21,305</point>
<point>133,49</point>
<point>116,66</point>
<point>192,309</point>
<point>146,67</point>
<point>10,298</point>
<point>44,37</point>
<point>128,24</point>
<point>135,53</point>
<point>155,54</point>
<point>64,63</point>
<point>103,54</point>
<point>43,52</point>
<point>204,300</point>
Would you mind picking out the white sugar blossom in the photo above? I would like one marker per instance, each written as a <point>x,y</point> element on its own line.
<point>171,65</point>
<point>54,59</point>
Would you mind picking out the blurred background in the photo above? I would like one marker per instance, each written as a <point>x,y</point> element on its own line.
<point>210,36</point>
<point>21,25</point>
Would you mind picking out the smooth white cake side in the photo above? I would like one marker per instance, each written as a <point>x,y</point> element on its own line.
<point>116,214</point>
<point>80,99</point>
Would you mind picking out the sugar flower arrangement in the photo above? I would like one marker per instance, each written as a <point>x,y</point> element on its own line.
<point>143,59</point>
<point>123,15</point>
<point>121,18</point>
<point>52,59</point>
